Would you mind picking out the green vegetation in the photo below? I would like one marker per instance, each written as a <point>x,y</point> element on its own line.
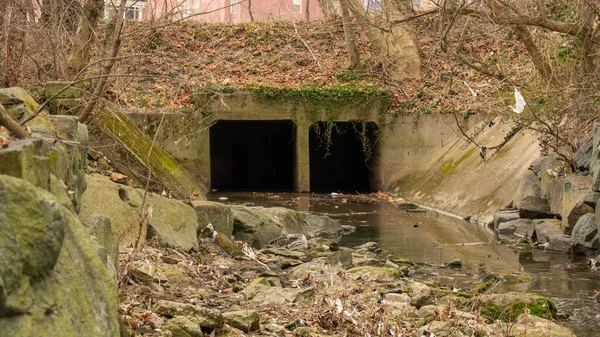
<point>450,165</point>
<point>541,307</point>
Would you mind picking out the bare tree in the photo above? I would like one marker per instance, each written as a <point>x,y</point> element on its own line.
<point>349,36</point>
<point>85,36</point>
<point>14,22</point>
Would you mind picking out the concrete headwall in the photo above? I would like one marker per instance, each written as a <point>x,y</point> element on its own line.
<point>422,158</point>
<point>430,163</point>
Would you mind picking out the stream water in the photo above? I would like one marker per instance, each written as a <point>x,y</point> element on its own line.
<point>432,238</point>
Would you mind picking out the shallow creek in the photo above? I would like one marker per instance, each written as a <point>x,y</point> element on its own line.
<point>434,239</point>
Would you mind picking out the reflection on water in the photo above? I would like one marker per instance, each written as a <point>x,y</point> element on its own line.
<point>435,239</point>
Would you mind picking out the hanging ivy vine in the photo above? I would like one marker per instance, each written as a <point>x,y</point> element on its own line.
<point>315,101</point>
<point>329,100</point>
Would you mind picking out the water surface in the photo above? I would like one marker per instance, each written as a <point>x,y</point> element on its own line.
<point>435,239</point>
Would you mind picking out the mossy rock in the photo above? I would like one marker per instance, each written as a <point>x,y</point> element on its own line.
<point>52,279</point>
<point>223,242</point>
<point>509,306</point>
<point>377,274</point>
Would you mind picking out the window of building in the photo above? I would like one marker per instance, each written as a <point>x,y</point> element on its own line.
<point>133,13</point>
<point>234,6</point>
<point>297,5</point>
<point>372,5</point>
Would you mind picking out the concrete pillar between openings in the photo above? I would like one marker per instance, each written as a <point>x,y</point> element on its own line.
<point>302,159</point>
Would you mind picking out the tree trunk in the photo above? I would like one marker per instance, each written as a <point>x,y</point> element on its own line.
<point>84,38</point>
<point>116,44</point>
<point>586,36</point>
<point>60,14</point>
<point>307,11</point>
<point>250,10</point>
<point>353,55</point>
<point>524,35</point>
<point>540,64</point>
<point>14,28</point>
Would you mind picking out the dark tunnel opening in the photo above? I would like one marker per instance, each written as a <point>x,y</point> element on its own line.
<point>252,155</point>
<point>342,166</point>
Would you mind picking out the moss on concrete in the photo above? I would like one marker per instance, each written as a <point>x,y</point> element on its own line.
<point>151,155</point>
<point>450,166</point>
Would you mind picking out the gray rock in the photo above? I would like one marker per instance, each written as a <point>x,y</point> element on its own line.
<point>596,176</point>
<point>99,227</point>
<point>573,215</point>
<point>534,208</point>
<point>529,186</point>
<point>26,159</point>
<point>575,189</point>
<point>592,199</point>
<point>217,214</point>
<point>264,295</point>
<point>505,216</point>
<point>174,222</point>
<point>49,269</point>
<point>205,317</point>
<point>549,232</point>
<point>420,294</point>
<point>553,187</point>
<point>511,227</point>
<point>342,257</point>
<point>371,246</point>
<point>320,225</point>
<point>245,320</point>
<point>583,156</point>
<point>69,128</point>
<point>585,232</point>
<point>525,228</point>
<point>542,164</point>
<point>374,274</point>
<point>595,142</point>
<point>529,325</point>
<point>292,254</point>
<point>253,225</point>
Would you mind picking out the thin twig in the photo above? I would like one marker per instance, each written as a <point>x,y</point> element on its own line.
<point>306,45</point>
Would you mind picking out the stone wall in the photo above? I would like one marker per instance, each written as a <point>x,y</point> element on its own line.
<point>53,277</point>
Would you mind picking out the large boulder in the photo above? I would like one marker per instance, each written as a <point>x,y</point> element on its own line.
<point>549,232</point>
<point>73,173</point>
<point>517,226</point>
<point>505,216</point>
<point>63,143</point>
<point>25,159</point>
<point>173,221</point>
<point>585,232</point>
<point>534,208</point>
<point>529,186</point>
<point>320,225</point>
<point>204,317</point>
<point>527,325</point>
<point>583,156</point>
<point>253,225</point>
<point>542,164</point>
<point>99,227</point>
<point>576,189</point>
<point>217,214</point>
<point>51,279</point>
<point>510,306</point>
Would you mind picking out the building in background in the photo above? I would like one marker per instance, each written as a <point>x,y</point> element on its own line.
<point>221,10</point>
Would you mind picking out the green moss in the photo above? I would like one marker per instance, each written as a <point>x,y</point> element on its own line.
<point>540,307</point>
<point>262,281</point>
<point>450,166</point>
<point>150,154</point>
<point>393,272</point>
<point>516,278</point>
